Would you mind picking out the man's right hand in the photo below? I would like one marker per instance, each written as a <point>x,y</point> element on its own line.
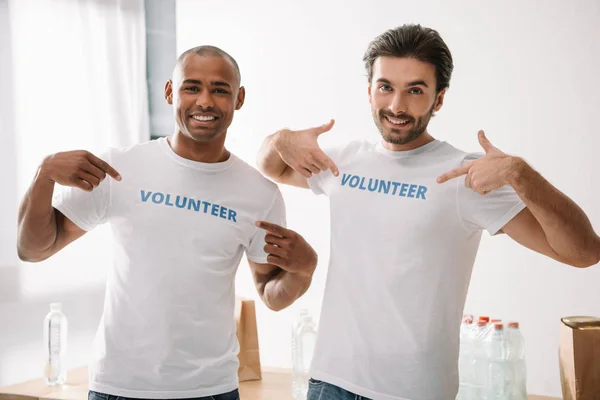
<point>300,150</point>
<point>77,168</point>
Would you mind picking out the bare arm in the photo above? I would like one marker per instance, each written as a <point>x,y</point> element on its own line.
<point>291,157</point>
<point>278,288</point>
<point>291,264</point>
<point>272,165</point>
<point>553,218</point>
<point>43,230</point>
<point>552,224</point>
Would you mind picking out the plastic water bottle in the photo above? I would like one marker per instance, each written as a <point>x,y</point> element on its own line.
<point>515,346</point>
<point>479,362</point>
<point>497,364</point>
<point>55,346</point>
<point>304,335</point>
<point>464,358</point>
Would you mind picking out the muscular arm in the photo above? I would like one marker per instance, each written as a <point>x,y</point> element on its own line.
<point>291,262</point>
<point>278,288</point>
<point>42,229</point>
<point>552,224</point>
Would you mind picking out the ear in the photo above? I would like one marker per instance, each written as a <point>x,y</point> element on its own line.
<point>439,101</point>
<point>169,92</point>
<point>369,92</point>
<point>240,98</point>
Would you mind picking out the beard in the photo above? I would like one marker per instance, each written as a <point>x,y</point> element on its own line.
<point>400,136</point>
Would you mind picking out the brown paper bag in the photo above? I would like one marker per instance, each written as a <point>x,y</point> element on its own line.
<point>247,333</point>
<point>579,358</point>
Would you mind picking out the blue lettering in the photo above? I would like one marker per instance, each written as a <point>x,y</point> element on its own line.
<point>374,188</point>
<point>421,192</point>
<point>232,215</point>
<point>403,190</point>
<point>412,190</point>
<point>177,203</point>
<point>145,196</point>
<point>191,204</point>
<point>352,182</point>
<point>158,198</point>
<point>345,178</point>
<point>195,204</point>
<point>382,186</point>
<point>362,184</point>
<point>396,184</point>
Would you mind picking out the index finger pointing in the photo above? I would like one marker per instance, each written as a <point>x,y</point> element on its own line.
<point>273,228</point>
<point>455,173</point>
<point>333,167</point>
<point>104,166</point>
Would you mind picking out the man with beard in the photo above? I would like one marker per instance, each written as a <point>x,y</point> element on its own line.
<point>183,211</point>
<point>403,242</point>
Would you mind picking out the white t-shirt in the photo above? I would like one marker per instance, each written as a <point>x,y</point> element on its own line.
<point>402,252</point>
<point>180,229</point>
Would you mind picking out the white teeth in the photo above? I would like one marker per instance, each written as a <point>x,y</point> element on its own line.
<point>397,121</point>
<point>203,117</point>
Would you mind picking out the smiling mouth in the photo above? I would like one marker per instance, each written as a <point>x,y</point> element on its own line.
<point>204,118</point>
<point>397,121</point>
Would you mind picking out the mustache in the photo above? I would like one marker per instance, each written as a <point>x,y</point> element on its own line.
<point>386,113</point>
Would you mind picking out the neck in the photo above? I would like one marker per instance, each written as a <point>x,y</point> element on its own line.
<point>422,140</point>
<point>213,151</point>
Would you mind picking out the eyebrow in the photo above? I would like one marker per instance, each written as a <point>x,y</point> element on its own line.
<point>213,83</point>
<point>412,83</point>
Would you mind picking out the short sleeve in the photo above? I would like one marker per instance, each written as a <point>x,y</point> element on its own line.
<point>491,211</point>
<point>276,215</point>
<point>85,209</point>
<point>319,183</point>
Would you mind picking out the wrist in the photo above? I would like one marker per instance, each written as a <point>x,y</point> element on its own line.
<point>515,170</point>
<point>44,174</point>
<point>307,272</point>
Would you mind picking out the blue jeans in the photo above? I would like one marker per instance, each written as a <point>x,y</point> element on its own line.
<point>319,390</point>
<point>233,395</point>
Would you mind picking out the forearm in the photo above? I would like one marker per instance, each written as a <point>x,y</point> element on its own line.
<point>567,228</point>
<point>284,287</point>
<point>269,162</point>
<point>37,228</point>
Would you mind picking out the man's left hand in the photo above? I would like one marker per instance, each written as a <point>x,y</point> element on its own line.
<point>488,173</point>
<point>288,250</point>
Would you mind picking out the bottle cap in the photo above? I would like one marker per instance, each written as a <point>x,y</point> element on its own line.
<point>498,326</point>
<point>484,318</point>
<point>513,324</point>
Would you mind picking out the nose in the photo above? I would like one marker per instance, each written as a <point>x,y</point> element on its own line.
<point>398,105</point>
<point>205,99</point>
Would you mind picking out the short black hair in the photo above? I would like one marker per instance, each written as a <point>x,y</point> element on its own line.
<point>414,41</point>
<point>211,51</point>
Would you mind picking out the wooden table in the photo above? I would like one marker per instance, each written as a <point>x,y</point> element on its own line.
<point>275,385</point>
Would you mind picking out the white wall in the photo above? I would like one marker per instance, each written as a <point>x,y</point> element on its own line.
<point>526,72</point>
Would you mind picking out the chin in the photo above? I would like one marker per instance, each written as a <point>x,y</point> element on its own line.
<point>202,136</point>
<point>399,138</point>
